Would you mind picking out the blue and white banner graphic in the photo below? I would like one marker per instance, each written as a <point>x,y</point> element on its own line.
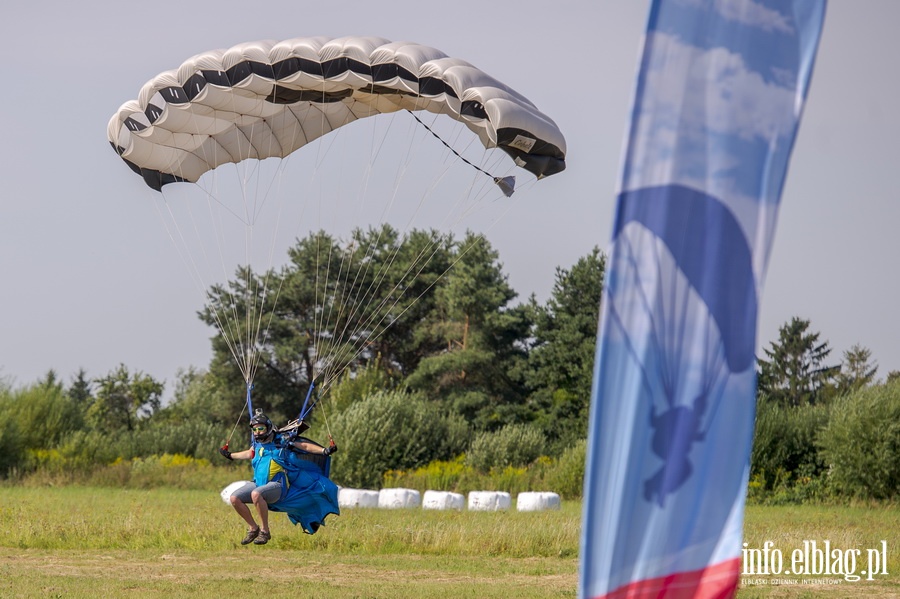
<point>720,91</point>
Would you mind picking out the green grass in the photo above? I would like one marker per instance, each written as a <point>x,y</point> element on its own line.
<point>90,542</point>
<point>102,542</point>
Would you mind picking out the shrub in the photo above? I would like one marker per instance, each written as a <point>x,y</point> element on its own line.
<point>784,444</point>
<point>44,415</point>
<point>861,443</point>
<point>166,470</point>
<point>80,452</point>
<point>178,471</point>
<point>11,453</point>
<point>360,384</point>
<point>567,476</point>
<point>392,430</point>
<point>564,476</point>
<point>513,445</point>
<point>439,475</point>
<point>194,437</point>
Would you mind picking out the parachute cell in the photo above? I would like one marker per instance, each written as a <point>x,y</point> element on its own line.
<point>267,99</point>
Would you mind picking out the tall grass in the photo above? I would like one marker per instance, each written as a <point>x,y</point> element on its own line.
<point>563,475</point>
<point>83,541</point>
<point>168,470</point>
<point>105,518</point>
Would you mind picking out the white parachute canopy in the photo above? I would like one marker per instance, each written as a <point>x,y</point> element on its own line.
<point>249,149</point>
<point>266,99</point>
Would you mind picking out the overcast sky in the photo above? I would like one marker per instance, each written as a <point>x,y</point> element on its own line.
<point>90,279</point>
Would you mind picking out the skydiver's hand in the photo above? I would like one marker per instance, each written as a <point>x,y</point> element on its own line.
<point>330,449</point>
<point>224,451</point>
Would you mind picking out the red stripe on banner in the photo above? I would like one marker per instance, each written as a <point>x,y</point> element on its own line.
<point>715,582</point>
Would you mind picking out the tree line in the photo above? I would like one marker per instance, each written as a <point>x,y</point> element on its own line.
<point>441,365</point>
<point>824,428</point>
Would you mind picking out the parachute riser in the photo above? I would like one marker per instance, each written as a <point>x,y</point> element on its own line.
<point>250,406</point>
<point>298,425</point>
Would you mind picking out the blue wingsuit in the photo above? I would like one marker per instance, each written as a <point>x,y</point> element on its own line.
<point>307,494</point>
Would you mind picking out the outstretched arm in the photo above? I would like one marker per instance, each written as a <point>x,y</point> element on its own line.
<point>247,454</point>
<point>313,448</point>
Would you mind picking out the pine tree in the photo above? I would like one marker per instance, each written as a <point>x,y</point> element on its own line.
<point>796,372</point>
<point>856,370</point>
<point>562,357</point>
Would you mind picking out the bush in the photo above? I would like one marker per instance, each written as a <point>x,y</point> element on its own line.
<point>174,471</point>
<point>567,477</point>
<point>177,471</point>
<point>564,476</point>
<point>360,384</point>
<point>81,452</point>
<point>392,431</point>
<point>44,415</point>
<point>784,444</point>
<point>11,453</point>
<point>439,475</point>
<point>513,445</point>
<point>861,443</point>
<point>195,438</point>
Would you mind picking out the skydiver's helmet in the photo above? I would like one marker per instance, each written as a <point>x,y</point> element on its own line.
<point>262,427</point>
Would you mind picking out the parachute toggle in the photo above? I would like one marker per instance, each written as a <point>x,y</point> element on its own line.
<point>506,184</point>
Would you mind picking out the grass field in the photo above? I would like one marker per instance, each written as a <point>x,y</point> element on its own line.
<point>92,542</point>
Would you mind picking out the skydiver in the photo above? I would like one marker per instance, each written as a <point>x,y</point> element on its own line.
<point>269,478</point>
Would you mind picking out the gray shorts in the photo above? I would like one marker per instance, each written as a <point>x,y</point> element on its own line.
<point>271,492</point>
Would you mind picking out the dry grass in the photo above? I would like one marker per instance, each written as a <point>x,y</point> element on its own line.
<point>248,571</point>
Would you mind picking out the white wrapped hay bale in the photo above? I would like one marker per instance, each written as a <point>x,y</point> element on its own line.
<point>490,501</point>
<point>443,500</point>
<point>227,492</point>
<point>357,498</point>
<point>535,502</point>
<point>399,498</point>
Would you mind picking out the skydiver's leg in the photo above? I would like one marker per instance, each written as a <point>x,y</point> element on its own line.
<point>262,507</point>
<point>240,499</point>
<point>243,511</point>
<point>262,497</point>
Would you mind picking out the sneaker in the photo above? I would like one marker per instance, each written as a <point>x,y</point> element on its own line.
<point>263,538</point>
<point>251,534</point>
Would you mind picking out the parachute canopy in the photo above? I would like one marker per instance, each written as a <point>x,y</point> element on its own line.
<point>266,99</point>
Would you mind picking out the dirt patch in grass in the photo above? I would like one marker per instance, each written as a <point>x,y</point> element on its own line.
<point>91,574</point>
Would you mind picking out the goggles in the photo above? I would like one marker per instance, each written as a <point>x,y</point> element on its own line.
<point>259,429</point>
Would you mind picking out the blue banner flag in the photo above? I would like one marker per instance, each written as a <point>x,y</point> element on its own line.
<point>719,95</point>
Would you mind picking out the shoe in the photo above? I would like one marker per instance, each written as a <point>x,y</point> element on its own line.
<point>263,538</point>
<point>251,534</point>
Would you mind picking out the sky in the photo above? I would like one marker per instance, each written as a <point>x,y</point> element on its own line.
<point>89,276</point>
